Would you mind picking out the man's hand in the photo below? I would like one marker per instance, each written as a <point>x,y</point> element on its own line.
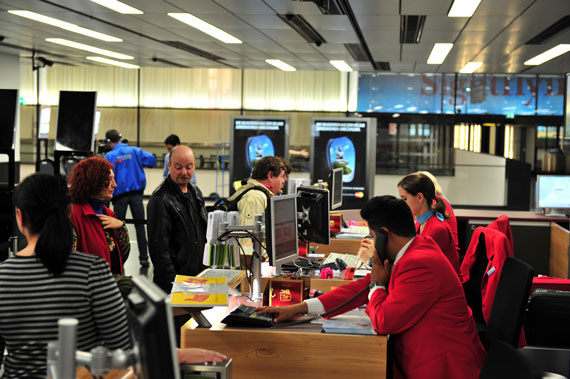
<point>366,250</point>
<point>283,313</point>
<point>380,270</point>
<point>110,222</point>
<point>193,355</point>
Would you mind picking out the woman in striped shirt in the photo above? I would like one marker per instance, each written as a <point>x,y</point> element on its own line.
<point>46,281</point>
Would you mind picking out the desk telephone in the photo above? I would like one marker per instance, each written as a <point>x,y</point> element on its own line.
<point>244,315</point>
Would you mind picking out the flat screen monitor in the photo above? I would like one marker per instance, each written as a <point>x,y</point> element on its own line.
<point>9,102</point>
<point>335,186</point>
<point>152,331</point>
<point>75,121</point>
<point>281,238</point>
<point>553,191</point>
<point>314,205</point>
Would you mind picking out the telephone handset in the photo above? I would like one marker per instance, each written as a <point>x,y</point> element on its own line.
<point>381,244</point>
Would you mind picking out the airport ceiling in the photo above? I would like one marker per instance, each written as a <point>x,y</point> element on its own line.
<point>364,33</point>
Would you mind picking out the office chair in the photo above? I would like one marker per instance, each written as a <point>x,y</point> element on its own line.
<point>547,317</point>
<point>511,297</point>
<point>505,361</point>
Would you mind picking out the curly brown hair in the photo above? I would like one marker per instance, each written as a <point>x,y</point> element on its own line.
<point>88,178</point>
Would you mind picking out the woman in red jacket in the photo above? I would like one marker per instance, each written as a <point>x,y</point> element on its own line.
<point>418,191</point>
<point>96,228</point>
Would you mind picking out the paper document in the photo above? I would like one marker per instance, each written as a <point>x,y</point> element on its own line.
<point>194,291</point>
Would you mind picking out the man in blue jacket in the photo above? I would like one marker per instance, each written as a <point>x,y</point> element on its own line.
<point>131,182</point>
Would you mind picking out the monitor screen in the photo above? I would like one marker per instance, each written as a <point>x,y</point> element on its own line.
<point>9,102</point>
<point>281,229</point>
<point>75,120</point>
<point>45,118</point>
<point>335,187</point>
<point>314,205</point>
<point>553,191</point>
<point>152,331</point>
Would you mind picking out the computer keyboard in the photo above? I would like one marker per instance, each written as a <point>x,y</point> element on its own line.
<point>350,259</point>
<point>356,229</point>
<point>245,315</point>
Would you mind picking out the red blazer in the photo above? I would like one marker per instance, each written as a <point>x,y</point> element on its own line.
<point>90,235</point>
<point>451,221</point>
<point>441,233</point>
<point>503,225</point>
<point>425,312</point>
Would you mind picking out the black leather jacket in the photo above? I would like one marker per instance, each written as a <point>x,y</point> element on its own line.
<point>173,244</point>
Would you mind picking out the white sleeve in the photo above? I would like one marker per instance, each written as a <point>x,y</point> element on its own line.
<point>314,306</point>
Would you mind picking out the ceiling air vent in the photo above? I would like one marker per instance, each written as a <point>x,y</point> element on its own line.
<point>383,66</point>
<point>301,26</point>
<point>411,28</point>
<point>548,33</point>
<point>356,51</point>
<point>193,50</point>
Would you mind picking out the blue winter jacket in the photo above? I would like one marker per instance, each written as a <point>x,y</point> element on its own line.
<point>128,170</point>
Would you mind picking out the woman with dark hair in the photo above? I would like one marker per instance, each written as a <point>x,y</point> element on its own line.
<point>418,191</point>
<point>97,230</point>
<point>47,281</point>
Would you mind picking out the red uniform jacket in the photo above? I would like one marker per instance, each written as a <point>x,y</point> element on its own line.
<point>442,235</point>
<point>90,235</point>
<point>425,311</point>
<point>451,221</point>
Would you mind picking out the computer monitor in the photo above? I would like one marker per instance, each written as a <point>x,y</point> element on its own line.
<point>553,191</point>
<point>335,186</point>
<point>9,103</point>
<point>281,239</point>
<point>75,120</point>
<point>152,331</point>
<point>314,205</point>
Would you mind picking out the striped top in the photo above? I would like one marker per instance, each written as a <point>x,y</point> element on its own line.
<point>32,300</point>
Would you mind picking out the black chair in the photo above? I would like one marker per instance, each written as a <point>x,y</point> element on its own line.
<point>547,319</point>
<point>505,361</point>
<point>507,314</point>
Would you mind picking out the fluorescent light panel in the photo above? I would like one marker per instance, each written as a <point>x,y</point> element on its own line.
<point>204,27</point>
<point>463,8</point>
<point>90,48</point>
<point>341,65</point>
<point>112,62</point>
<point>563,48</point>
<point>470,67</point>
<point>439,52</point>
<point>280,65</point>
<point>64,25</point>
<point>117,6</point>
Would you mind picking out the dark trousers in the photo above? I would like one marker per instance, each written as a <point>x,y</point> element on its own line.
<point>135,202</point>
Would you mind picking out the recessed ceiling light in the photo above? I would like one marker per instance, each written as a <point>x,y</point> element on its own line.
<point>93,49</point>
<point>280,65</point>
<point>439,52</point>
<point>112,62</point>
<point>563,48</point>
<point>463,8</point>
<point>341,65</point>
<point>470,67</point>
<point>205,27</point>
<point>117,6</point>
<point>65,25</point>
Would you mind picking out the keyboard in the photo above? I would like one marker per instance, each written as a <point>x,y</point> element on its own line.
<point>244,315</point>
<point>355,229</point>
<point>351,260</point>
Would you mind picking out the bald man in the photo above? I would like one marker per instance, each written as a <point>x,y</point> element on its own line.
<point>177,222</point>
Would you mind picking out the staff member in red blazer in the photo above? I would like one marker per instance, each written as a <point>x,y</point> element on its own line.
<point>414,295</point>
<point>451,220</point>
<point>418,191</point>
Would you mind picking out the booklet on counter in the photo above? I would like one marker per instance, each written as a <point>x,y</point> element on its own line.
<point>195,291</point>
<point>348,327</point>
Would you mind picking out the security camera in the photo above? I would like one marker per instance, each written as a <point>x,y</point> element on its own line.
<point>154,59</point>
<point>45,61</point>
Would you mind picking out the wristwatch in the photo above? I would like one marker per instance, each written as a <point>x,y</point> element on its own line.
<point>374,284</point>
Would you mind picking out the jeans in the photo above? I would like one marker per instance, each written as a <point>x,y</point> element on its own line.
<point>135,202</point>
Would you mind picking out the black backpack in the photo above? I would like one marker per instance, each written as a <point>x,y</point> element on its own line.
<point>230,204</point>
